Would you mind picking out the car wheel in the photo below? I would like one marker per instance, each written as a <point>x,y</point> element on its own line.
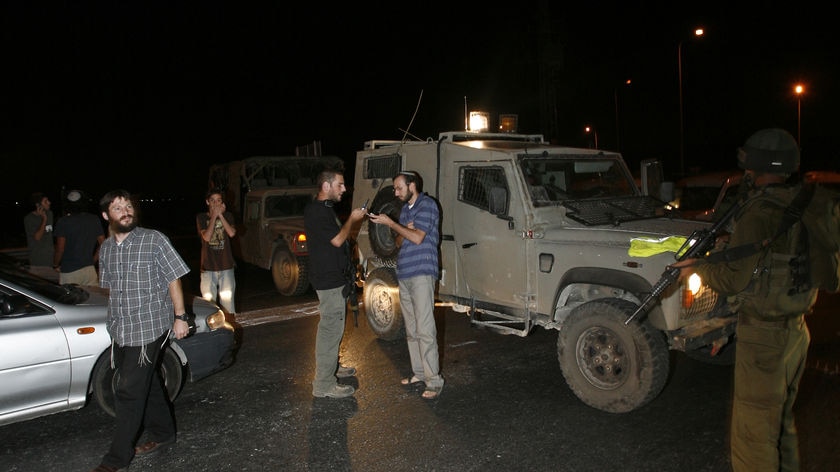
<point>290,273</point>
<point>382,304</point>
<point>383,240</point>
<point>105,379</point>
<point>609,365</point>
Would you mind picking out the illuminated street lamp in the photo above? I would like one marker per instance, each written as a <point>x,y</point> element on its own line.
<point>697,32</point>
<point>591,129</point>
<point>799,89</point>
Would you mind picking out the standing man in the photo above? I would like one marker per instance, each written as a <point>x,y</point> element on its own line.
<point>142,271</point>
<point>38,224</point>
<point>215,228</point>
<point>78,235</point>
<point>328,259</point>
<point>418,271</point>
<point>772,335</point>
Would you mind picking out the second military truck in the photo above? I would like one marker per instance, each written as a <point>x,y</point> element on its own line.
<point>267,195</point>
<point>535,234</point>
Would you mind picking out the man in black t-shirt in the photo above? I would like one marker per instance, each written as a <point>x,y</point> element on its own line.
<point>326,238</point>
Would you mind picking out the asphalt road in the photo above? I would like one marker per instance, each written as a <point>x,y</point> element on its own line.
<point>505,407</point>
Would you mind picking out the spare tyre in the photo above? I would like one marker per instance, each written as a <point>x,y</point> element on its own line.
<point>383,240</point>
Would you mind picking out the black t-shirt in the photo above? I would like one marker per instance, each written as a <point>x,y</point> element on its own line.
<point>326,262</point>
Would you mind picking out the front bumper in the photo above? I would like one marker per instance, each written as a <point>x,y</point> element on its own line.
<point>208,353</point>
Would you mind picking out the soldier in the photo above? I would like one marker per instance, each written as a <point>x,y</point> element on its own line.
<point>772,335</point>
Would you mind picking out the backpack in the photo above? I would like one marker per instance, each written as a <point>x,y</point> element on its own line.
<point>822,223</point>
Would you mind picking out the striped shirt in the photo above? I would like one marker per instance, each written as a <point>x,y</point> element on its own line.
<point>420,259</point>
<point>138,272</point>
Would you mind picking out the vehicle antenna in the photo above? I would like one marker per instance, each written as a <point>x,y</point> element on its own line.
<point>419,99</point>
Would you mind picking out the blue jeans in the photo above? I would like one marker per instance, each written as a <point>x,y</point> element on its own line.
<point>141,401</point>
<point>219,284</point>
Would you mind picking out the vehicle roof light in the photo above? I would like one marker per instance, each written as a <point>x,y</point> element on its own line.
<point>479,121</point>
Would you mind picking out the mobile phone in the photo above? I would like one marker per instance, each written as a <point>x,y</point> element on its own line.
<point>364,205</point>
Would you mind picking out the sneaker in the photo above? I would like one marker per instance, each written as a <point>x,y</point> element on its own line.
<point>344,372</point>
<point>336,391</point>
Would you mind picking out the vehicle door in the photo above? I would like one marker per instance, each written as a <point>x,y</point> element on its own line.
<point>35,362</point>
<point>488,218</point>
<point>255,227</point>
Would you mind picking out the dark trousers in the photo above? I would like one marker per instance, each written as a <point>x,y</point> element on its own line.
<point>141,401</point>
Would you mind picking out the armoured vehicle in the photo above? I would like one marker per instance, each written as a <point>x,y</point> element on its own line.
<point>540,235</point>
<point>267,196</point>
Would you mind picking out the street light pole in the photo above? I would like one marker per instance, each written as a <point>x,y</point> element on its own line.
<point>799,89</point>
<point>617,128</point>
<point>697,32</point>
<point>682,129</point>
<point>591,129</point>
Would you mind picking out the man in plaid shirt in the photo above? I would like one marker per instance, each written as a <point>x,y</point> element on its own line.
<point>142,271</point>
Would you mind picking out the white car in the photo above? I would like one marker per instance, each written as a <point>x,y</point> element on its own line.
<point>55,349</point>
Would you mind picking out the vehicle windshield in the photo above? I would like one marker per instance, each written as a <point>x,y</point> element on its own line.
<point>282,206</point>
<point>552,181</point>
<point>13,272</point>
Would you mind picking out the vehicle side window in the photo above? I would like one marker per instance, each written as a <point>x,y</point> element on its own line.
<point>12,305</point>
<point>476,183</point>
<point>382,167</point>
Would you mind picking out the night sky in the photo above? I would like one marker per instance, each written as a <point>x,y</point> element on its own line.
<point>145,95</point>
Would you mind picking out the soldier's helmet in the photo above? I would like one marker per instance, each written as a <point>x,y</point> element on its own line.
<point>771,150</point>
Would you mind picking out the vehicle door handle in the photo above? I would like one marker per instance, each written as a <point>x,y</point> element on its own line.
<point>468,245</point>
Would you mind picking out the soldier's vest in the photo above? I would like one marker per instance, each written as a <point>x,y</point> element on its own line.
<point>780,285</point>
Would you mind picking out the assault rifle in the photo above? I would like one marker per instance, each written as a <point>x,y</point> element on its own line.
<point>697,245</point>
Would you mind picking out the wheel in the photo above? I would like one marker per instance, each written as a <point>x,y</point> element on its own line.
<point>609,365</point>
<point>383,240</point>
<point>290,273</point>
<point>382,304</point>
<point>105,379</point>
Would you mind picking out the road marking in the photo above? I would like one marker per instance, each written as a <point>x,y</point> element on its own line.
<point>280,313</point>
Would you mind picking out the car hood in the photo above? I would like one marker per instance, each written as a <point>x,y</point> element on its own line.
<point>622,233</point>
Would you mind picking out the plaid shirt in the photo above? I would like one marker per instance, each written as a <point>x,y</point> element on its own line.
<point>138,272</point>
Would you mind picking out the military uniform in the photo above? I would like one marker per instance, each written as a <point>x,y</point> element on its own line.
<point>771,334</point>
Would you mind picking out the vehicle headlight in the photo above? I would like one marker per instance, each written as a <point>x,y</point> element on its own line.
<point>694,283</point>
<point>216,320</point>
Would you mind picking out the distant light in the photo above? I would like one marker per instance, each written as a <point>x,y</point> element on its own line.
<point>698,32</point>
<point>479,121</point>
<point>799,89</point>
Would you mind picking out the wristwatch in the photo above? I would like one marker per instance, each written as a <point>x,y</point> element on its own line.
<point>184,317</point>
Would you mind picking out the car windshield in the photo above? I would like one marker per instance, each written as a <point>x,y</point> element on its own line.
<point>552,181</point>
<point>12,271</point>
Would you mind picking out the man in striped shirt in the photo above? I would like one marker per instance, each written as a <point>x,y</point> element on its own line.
<point>418,270</point>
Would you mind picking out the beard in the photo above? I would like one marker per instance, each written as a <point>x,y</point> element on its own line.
<point>125,225</point>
